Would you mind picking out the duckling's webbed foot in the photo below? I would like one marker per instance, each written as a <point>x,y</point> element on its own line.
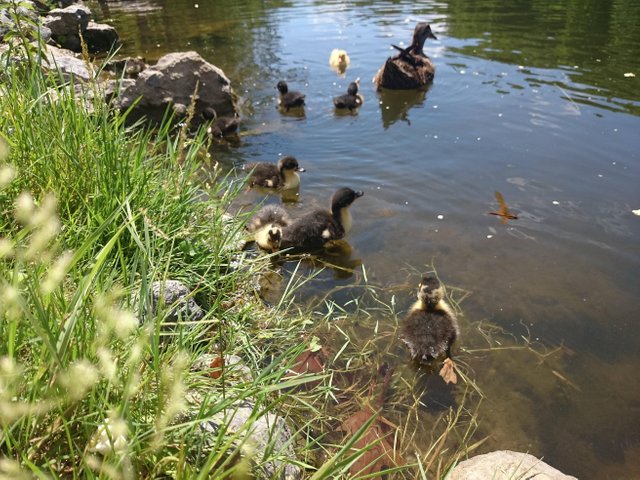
<point>448,371</point>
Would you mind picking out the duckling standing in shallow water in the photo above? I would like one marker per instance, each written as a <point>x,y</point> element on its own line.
<point>283,176</point>
<point>352,99</point>
<point>220,126</point>
<point>431,327</point>
<point>313,230</point>
<point>289,99</point>
<point>266,226</point>
<point>339,60</point>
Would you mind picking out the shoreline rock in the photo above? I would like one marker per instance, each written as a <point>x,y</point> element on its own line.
<point>504,465</point>
<point>171,83</point>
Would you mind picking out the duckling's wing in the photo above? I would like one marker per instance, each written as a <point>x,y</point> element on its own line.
<point>311,231</point>
<point>295,99</point>
<point>428,334</point>
<point>264,175</point>
<point>343,101</point>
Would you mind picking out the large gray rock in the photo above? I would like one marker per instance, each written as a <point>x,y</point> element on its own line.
<point>66,63</point>
<point>175,300</point>
<point>28,16</point>
<point>505,465</point>
<point>66,24</point>
<point>100,37</point>
<point>172,82</point>
<point>268,431</point>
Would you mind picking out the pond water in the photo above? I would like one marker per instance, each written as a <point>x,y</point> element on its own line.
<point>531,99</point>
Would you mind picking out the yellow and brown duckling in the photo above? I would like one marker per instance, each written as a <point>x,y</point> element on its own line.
<point>431,327</point>
<point>339,60</point>
<point>318,227</point>
<point>220,126</point>
<point>266,226</point>
<point>289,99</point>
<point>281,176</point>
<point>352,99</point>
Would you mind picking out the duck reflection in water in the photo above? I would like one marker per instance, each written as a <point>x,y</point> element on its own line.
<point>396,104</point>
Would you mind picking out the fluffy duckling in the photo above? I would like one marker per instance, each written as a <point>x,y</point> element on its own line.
<point>266,226</point>
<point>431,327</point>
<point>313,230</point>
<point>283,176</point>
<point>220,126</point>
<point>339,60</point>
<point>352,99</point>
<point>289,99</point>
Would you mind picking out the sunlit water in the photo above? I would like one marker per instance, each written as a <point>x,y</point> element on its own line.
<point>530,100</point>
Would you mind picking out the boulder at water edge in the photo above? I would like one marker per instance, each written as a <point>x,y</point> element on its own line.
<point>172,83</point>
<point>505,465</point>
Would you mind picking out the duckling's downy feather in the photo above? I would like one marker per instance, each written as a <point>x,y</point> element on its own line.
<point>313,230</point>
<point>289,99</point>
<point>266,226</point>
<point>283,175</point>
<point>431,327</point>
<point>352,99</point>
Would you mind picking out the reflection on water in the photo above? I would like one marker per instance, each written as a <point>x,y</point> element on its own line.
<point>529,99</point>
<point>395,104</point>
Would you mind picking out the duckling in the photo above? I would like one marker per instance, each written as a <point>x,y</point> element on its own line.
<point>339,60</point>
<point>266,226</point>
<point>313,230</point>
<point>283,176</point>
<point>431,327</point>
<point>289,99</point>
<point>352,99</point>
<point>220,126</point>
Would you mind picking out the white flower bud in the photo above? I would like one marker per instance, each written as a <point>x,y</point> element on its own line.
<point>25,207</point>
<point>7,173</point>
<point>56,273</point>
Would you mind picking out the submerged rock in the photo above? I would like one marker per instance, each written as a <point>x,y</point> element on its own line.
<point>504,465</point>
<point>171,83</point>
<point>128,67</point>
<point>100,37</point>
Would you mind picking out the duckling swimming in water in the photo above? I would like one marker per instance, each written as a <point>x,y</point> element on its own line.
<point>220,126</point>
<point>266,226</point>
<point>352,99</point>
<point>339,60</point>
<point>313,230</point>
<point>431,327</point>
<point>289,99</point>
<point>283,176</point>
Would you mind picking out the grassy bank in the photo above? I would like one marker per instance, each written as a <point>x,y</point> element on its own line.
<point>95,211</point>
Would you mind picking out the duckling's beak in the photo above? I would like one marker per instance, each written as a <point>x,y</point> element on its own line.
<point>359,193</point>
<point>300,169</point>
<point>431,35</point>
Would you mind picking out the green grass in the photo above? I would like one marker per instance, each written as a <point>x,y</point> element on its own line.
<point>92,211</point>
